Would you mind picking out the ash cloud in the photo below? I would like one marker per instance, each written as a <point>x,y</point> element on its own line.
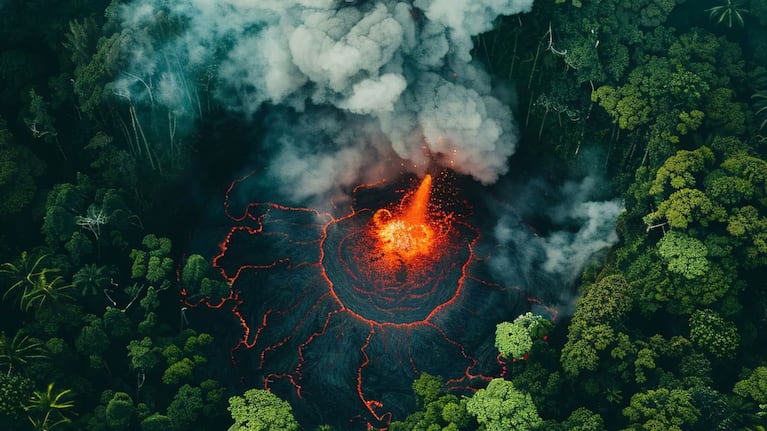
<point>400,71</point>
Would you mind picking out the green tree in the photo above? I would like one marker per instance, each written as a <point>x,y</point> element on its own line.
<point>428,388</point>
<point>261,410</point>
<point>119,411</point>
<point>91,79</point>
<point>724,112</point>
<point>153,262</point>
<point>584,346</point>
<point>501,407</point>
<point>214,397</point>
<point>83,219</point>
<point>80,40</point>
<point>23,273</point>
<point>512,340</point>
<point>199,279</point>
<point>198,345</point>
<point>93,342</point>
<point>714,334</point>
<point>18,169</point>
<point>14,391</point>
<point>602,308</point>
<point>686,206</point>
<point>684,169</point>
<point>729,12</point>
<point>661,409</point>
<point>178,372</point>
<point>625,104</point>
<point>156,422</point>
<point>19,351</point>
<point>91,279</point>
<point>195,269</point>
<point>543,384</point>
<point>742,415</point>
<point>438,410</point>
<point>113,166</point>
<point>754,386</point>
<point>143,354</point>
<point>46,290</point>
<point>49,409</point>
<point>675,89</point>
<point>684,254</point>
<point>64,202</point>
<point>583,419</point>
<point>39,121</point>
<point>713,408</point>
<point>515,339</point>
<point>116,323</point>
<point>186,407</point>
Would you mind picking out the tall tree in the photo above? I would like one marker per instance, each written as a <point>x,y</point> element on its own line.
<point>50,408</point>
<point>727,13</point>
<point>501,407</point>
<point>261,410</point>
<point>661,409</point>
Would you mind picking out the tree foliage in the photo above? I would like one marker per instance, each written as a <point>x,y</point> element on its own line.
<point>591,330</point>
<point>754,386</point>
<point>501,406</point>
<point>661,408</point>
<point>18,169</point>
<point>261,410</point>
<point>712,333</point>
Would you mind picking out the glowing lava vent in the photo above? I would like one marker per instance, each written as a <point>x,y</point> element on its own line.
<point>408,235</point>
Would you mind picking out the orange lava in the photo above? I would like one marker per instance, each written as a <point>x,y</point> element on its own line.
<point>407,235</point>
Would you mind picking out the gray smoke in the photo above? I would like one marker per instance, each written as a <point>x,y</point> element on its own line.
<point>401,71</point>
<point>579,226</point>
<point>568,252</point>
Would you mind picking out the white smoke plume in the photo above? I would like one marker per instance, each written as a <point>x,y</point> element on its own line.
<point>402,71</point>
<point>579,227</point>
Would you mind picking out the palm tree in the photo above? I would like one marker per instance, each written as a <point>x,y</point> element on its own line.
<point>742,415</point>
<point>22,273</point>
<point>19,350</point>
<point>48,408</point>
<point>761,108</point>
<point>91,279</point>
<point>43,290</point>
<point>728,12</point>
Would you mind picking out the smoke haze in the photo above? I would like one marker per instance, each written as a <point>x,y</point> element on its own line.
<point>552,232</point>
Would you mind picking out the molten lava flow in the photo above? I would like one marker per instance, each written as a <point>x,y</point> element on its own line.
<point>361,303</point>
<point>408,235</point>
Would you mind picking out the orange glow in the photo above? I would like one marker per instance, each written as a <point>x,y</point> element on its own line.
<point>407,235</point>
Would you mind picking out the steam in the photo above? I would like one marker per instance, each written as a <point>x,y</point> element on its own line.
<point>399,73</point>
<point>579,227</point>
<point>568,252</point>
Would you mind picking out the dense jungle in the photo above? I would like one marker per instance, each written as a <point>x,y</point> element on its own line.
<point>123,125</point>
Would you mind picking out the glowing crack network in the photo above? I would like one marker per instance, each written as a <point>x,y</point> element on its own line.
<point>339,314</point>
